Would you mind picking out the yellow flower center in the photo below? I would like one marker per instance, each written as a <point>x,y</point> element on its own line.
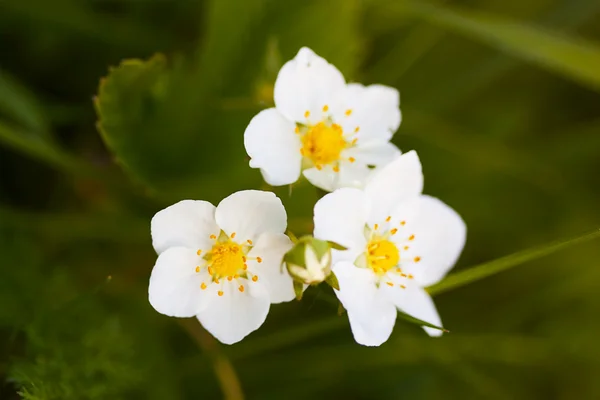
<point>323,143</point>
<point>382,255</point>
<point>226,259</point>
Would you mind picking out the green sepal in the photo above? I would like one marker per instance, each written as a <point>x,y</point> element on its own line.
<point>333,281</point>
<point>299,290</point>
<point>223,237</point>
<point>336,246</point>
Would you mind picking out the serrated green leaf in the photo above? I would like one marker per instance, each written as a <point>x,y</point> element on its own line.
<point>572,57</point>
<point>484,270</point>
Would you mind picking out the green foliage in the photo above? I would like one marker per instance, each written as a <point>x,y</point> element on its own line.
<point>500,100</point>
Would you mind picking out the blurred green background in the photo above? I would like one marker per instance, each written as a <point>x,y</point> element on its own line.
<point>500,98</point>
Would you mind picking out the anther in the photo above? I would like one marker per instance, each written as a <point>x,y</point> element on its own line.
<point>319,167</point>
<point>203,286</point>
<point>393,231</point>
<point>241,288</point>
<point>220,293</point>
<point>297,129</point>
<point>306,114</point>
<point>245,267</point>
<point>351,159</point>
<point>348,112</point>
<point>336,168</point>
<point>244,258</point>
<point>356,130</point>
<point>197,269</point>
<point>249,242</point>
<point>411,237</point>
<point>354,140</point>
<point>199,252</point>
<point>236,276</point>
<point>403,287</point>
<point>255,278</point>
<point>389,283</point>
<point>230,278</point>
<point>258,259</point>
<point>213,237</point>
<point>211,271</point>
<point>232,235</point>
<point>417,259</point>
<point>376,226</point>
<point>410,276</point>
<point>325,108</point>
<point>388,219</point>
<point>405,248</point>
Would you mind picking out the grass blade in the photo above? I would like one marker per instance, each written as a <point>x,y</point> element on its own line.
<point>502,264</point>
<point>572,57</point>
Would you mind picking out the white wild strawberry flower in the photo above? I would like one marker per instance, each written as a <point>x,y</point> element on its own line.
<point>398,242</point>
<point>332,132</point>
<point>221,264</point>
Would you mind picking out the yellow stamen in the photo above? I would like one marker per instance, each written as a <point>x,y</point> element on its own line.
<point>197,269</point>
<point>241,288</point>
<point>213,237</point>
<point>411,237</point>
<point>352,159</point>
<point>220,293</point>
<point>203,286</point>
<point>323,143</point>
<point>348,112</point>
<point>199,252</point>
<point>393,231</point>
<point>325,108</point>
<point>417,259</point>
<point>255,278</point>
<point>388,219</point>
<point>232,235</point>
<point>306,114</point>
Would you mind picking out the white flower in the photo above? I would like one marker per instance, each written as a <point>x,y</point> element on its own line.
<point>333,130</point>
<point>221,264</point>
<point>398,241</point>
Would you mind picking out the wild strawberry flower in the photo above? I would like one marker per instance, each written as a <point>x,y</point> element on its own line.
<point>398,242</point>
<point>332,132</point>
<point>221,264</point>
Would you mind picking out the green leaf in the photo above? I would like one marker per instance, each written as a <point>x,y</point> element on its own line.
<point>419,322</point>
<point>574,58</point>
<point>502,264</point>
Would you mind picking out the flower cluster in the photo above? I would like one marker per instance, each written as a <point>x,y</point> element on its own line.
<point>377,240</point>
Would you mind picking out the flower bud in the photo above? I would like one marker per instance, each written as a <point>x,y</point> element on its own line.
<point>309,261</point>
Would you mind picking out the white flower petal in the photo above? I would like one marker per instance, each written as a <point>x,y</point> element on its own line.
<point>340,217</point>
<point>371,314</point>
<point>234,315</point>
<point>307,83</point>
<point>271,247</point>
<point>274,147</point>
<point>325,178</point>
<point>249,213</point>
<point>188,223</point>
<point>375,110</point>
<point>440,235</point>
<point>175,285</point>
<point>397,182</point>
<point>354,175</point>
<point>377,153</point>
<point>415,302</point>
